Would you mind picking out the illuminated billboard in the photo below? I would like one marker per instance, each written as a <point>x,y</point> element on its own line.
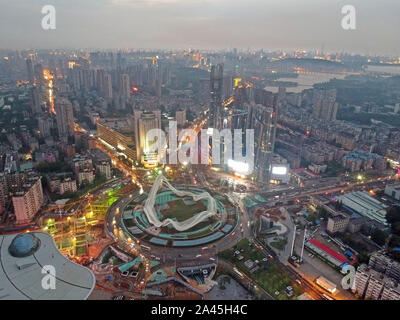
<point>279,170</point>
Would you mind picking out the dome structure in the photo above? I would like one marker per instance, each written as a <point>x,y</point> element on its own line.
<point>24,245</point>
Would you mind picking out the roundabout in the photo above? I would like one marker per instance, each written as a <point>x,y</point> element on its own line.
<point>184,216</point>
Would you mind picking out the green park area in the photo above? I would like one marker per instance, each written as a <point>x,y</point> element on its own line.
<point>181,212</point>
<point>270,276</point>
<point>279,244</point>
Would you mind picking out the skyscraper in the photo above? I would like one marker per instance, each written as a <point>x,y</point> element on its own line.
<point>36,100</point>
<point>30,72</point>
<point>262,122</point>
<point>65,119</point>
<point>263,119</point>
<point>38,72</point>
<point>143,122</point>
<point>216,87</point>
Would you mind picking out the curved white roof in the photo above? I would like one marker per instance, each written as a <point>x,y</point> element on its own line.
<point>21,278</point>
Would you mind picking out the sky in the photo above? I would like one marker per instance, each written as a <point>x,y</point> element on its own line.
<point>203,24</point>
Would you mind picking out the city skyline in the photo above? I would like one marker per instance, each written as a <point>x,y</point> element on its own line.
<point>175,24</point>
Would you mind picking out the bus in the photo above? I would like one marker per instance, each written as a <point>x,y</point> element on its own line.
<point>326,284</point>
<point>238,273</point>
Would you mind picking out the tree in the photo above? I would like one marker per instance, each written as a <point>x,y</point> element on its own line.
<point>394,241</point>
<point>393,215</point>
<point>362,257</point>
<point>393,218</point>
<point>378,236</point>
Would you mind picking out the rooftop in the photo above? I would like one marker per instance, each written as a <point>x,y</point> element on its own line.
<point>22,258</point>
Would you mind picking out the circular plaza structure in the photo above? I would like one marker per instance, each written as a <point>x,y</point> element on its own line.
<point>184,216</point>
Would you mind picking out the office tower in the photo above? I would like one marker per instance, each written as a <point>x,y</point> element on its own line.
<point>30,71</point>
<point>36,100</point>
<point>262,123</point>
<point>65,119</point>
<point>263,119</point>
<point>180,117</point>
<point>240,95</point>
<point>143,122</point>
<point>45,124</point>
<point>216,83</point>
<point>28,200</point>
<point>107,87</point>
<point>324,104</point>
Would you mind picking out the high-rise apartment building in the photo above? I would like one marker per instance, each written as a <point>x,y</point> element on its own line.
<point>28,200</point>
<point>180,117</point>
<point>107,87</point>
<point>100,80</point>
<point>262,123</point>
<point>325,106</point>
<point>39,76</point>
<point>45,124</point>
<point>36,100</point>
<point>125,89</point>
<point>384,264</point>
<point>371,284</point>
<point>65,119</point>
<point>30,71</point>
<point>104,168</point>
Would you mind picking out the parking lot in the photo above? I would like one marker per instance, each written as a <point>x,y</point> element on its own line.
<point>313,267</point>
